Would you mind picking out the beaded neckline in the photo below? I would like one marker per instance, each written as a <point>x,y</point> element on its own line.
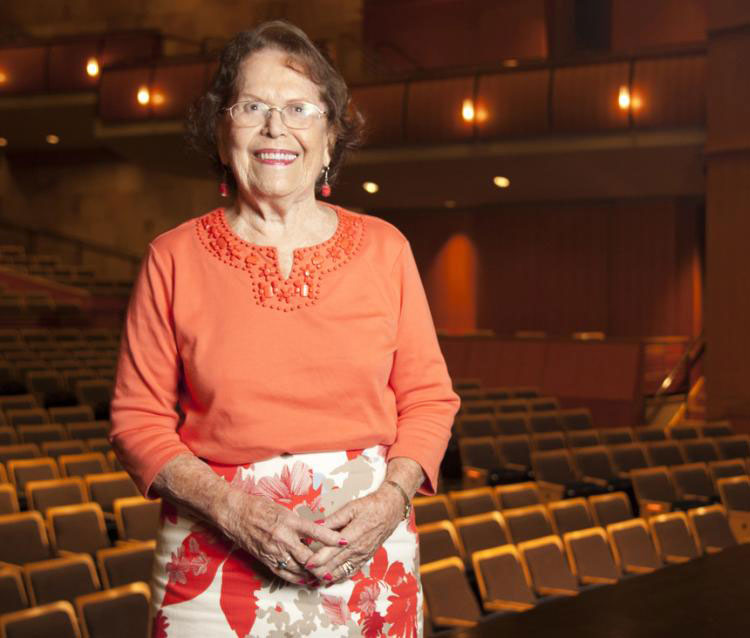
<point>310,264</point>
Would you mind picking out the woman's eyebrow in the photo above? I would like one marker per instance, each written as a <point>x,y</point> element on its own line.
<point>251,96</point>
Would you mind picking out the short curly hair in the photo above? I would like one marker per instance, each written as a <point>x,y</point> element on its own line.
<point>203,116</point>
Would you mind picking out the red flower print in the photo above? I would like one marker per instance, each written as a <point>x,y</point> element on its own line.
<point>292,488</point>
<point>402,612</point>
<point>353,454</point>
<point>160,625</point>
<point>238,586</point>
<point>372,627</point>
<point>335,609</point>
<point>368,597</point>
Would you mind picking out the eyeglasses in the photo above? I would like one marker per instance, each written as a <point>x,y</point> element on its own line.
<point>298,115</point>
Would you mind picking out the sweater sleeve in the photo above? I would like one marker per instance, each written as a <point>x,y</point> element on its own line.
<point>143,409</point>
<point>419,378</point>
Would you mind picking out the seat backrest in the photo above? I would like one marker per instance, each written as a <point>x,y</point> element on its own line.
<point>576,419</point>
<point>650,434</point>
<point>547,566</point>
<point>672,537</point>
<point>512,424</point>
<point>711,527</point>
<point>448,595</point>
<point>544,421</point>
<point>525,392</point>
<point>99,444</point>
<point>726,469</point>
<point>518,495</point>
<point>683,432</point>
<point>699,450</point>
<point>8,499</point>
<point>693,479</point>
<point>548,441</point>
<point>56,619</point>
<point>632,547</point>
<point>137,518</point>
<point>735,493</point>
<point>474,501</point>
<point>511,405</point>
<point>12,590</point>
<point>476,425</point>
<point>594,462</point>
<point>27,416</point>
<point>628,456</point>
<point>22,471</point>
<point>87,430</point>
<point>503,583</point>
<point>77,528</point>
<point>125,564</point>
<point>527,523</point>
<point>653,484</point>
<point>430,509</point>
<point>734,447</point>
<point>554,466</point>
<point>60,579</point>
<point>590,556</point>
<point>55,449</point>
<point>482,531</point>
<point>41,495</point>
<point>8,435</point>
<point>41,433</point>
<point>515,449</point>
<point>610,508</point>
<point>20,451</point>
<point>121,611</point>
<point>23,538</point>
<point>717,429</point>
<point>616,436</point>
<point>543,404</point>
<point>583,438</point>
<point>71,414</point>
<point>473,407</point>
<point>83,464</point>
<point>664,453</point>
<point>570,515</point>
<point>439,540</point>
<point>18,402</point>
<point>478,452</point>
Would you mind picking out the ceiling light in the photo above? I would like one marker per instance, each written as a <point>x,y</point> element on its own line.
<point>157,98</point>
<point>500,181</point>
<point>371,187</point>
<point>467,110</point>
<point>143,96</point>
<point>3,77</point>
<point>52,139</point>
<point>623,99</point>
<point>510,63</point>
<point>92,67</point>
<point>3,141</point>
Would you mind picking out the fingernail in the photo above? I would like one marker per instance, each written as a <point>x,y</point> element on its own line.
<point>302,582</point>
<point>328,576</point>
<point>320,521</point>
<point>310,566</point>
<point>343,542</point>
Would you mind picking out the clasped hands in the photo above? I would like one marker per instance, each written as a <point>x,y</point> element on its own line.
<point>279,538</point>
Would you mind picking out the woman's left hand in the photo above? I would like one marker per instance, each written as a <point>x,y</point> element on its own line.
<point>365,524</point>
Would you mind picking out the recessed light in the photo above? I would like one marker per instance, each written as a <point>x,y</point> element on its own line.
<point>92,67</point>
<point>52,139</point>
<point>3,141</point>
<point>500,181</point>
<point>467,110</point>
<point>371,187</point>
<point>3,77</point>
<point>143,96</point>
<point>623,98</point>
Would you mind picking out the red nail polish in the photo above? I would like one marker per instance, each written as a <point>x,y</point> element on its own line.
<point>328,576</point>
<point>320,521</point>
<point>343,542</point>
<point>310,566</point>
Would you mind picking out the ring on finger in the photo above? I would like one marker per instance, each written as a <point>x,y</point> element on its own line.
<point>347,567</point>
<point>283,563</point>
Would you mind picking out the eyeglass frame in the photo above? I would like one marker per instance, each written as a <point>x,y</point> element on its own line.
<point>280,109</point>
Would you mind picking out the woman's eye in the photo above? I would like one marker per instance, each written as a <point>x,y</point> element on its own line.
<point>253,106</point>
<point>299,108</point>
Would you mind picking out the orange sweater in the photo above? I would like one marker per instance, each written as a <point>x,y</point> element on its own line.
<point>341,355</point>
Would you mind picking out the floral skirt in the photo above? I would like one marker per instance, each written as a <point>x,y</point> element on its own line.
<point>204,586</point>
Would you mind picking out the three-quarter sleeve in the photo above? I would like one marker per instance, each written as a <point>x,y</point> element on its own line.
<point>425,400</point>
<point>143,409</point>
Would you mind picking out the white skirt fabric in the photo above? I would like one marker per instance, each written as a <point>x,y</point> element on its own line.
<point>204,586</point>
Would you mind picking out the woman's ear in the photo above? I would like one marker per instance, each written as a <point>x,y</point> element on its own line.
<point>328,151</point>
<point>221,135</point>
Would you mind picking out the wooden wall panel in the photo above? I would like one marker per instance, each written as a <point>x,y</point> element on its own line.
<point>645,24</point>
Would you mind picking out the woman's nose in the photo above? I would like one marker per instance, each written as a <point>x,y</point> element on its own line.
<point>274,124</point>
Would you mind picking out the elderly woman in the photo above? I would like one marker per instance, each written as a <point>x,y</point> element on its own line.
<point>280,383</point>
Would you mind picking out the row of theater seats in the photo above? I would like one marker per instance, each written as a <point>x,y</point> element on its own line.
<point>513,559</point>
<point>53,267</point>
<point>23,409</point>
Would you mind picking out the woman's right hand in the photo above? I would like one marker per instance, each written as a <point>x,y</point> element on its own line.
<point>273,533</point>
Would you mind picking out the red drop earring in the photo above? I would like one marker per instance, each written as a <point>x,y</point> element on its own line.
<point>223,185</point>
<point>325,189</point>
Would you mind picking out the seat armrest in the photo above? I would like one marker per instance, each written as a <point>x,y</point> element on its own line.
<point>595,481</point>
<point>650,507</point>
<point>556,591</point>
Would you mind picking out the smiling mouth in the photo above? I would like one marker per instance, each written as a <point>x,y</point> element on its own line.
<point>276,157</point>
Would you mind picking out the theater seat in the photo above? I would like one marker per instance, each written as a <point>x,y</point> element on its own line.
<point>632,547</point>
<point>56,619</point>
<point>503,583</point>
<point>439,540</point>
<point>8,499</point>
<point>77,528</point>
<point>672,537</point>
<point>430,509</point>
<point>12,590</point>
<point>126,563</point>
<point>735,497</point>
<point>474,501</point>
<point>448,595</point>
<point>528,523</point>
<point>518,495</point>
<point>41,495</point>
<point>610,508</point>
<point>481,531</point>
<point>23,538</point>
<point>711,527</point>
<point>570,515</point>
<point>137,518</point>
<point>548,567</point>
<point>590,556</point>
<point>60,579</point>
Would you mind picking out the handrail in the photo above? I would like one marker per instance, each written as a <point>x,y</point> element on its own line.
<point>694,351</point>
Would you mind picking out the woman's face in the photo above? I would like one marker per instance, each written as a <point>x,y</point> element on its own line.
<point>265,77</point>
